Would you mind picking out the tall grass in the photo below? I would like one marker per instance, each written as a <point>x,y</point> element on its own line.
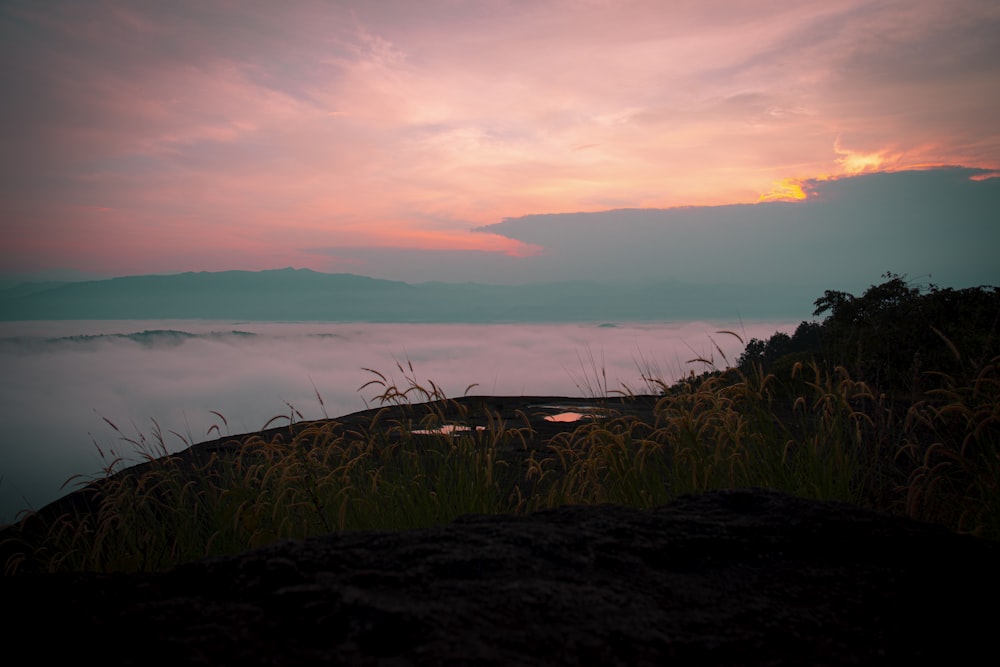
<point>819,434</point>
<point>955,452</point>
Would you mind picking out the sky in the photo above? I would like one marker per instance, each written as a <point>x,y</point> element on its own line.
<point>454,140</point>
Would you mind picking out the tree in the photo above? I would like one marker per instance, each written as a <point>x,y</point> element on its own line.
<point>890,335</point>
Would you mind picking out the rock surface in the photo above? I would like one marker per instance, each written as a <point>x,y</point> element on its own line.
<point>742,577</point>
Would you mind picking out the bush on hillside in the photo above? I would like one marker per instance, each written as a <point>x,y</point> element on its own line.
<point>890,335</point>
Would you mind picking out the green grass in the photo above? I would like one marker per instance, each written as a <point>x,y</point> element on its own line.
<point>818,434</point>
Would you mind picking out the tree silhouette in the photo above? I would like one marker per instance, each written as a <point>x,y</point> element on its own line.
<point>890,335</point>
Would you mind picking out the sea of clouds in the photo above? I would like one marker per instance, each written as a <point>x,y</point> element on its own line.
<point>65,383</point>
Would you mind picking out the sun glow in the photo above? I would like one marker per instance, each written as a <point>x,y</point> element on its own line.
<point>857,162</point>
<point>787,189</point>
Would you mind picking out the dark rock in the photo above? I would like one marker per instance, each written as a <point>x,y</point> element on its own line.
<point>743,577</point>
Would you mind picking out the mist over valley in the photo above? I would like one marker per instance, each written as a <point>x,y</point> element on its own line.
<point>67,381</point>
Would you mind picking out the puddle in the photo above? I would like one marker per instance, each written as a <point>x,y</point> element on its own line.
<point>573,413</point>
<point>448,429</point>
<point>574,407</point>
<point>567,417</point>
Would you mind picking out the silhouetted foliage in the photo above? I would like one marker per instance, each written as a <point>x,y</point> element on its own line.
<point>890,336</point>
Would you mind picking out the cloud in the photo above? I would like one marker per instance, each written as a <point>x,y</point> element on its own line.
<point>163,135</point>
<point>847,232</point>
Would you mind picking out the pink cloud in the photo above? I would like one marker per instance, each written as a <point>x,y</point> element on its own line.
<point>376,124</point>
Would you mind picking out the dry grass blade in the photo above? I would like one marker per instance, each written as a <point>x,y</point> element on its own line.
<point>947,341</point>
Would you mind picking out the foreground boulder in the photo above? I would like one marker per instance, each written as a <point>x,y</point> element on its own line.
<point>728,578</point>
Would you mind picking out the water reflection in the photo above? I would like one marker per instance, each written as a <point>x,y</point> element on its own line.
<point>566,417</point>
<point>448,429</point>
<point>573,413</point>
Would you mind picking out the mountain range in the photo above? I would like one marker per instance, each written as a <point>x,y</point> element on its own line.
<point>306,295</point>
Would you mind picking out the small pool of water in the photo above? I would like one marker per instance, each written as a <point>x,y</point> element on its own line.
<point>448,429</point>
<point>572,413</point>
<point>567,417</point>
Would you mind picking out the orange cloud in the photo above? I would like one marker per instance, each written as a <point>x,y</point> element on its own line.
<point>857,162</point>
<point>788,189</point>
<point>422,239</point>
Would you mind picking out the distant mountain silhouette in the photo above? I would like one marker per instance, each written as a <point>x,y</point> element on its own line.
<point>305,295</point>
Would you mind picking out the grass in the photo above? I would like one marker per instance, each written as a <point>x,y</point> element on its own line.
<point>819,434</point>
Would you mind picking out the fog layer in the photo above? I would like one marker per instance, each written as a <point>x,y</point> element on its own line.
<point>65,381</point>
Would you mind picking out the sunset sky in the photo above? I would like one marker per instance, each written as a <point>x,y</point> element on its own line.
<point>388,138</point>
